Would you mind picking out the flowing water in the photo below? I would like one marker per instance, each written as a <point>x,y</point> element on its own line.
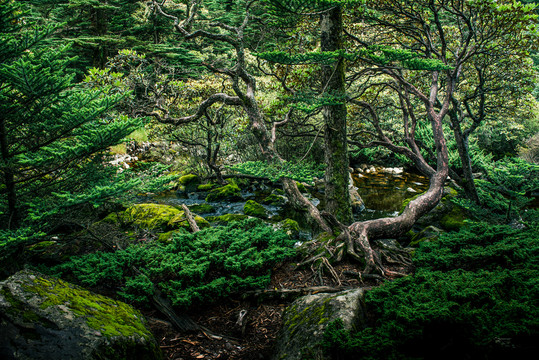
<point>382,192</point>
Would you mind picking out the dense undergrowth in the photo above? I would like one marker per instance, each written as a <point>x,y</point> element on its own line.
<point>475,294</point>
<point>191,269</point>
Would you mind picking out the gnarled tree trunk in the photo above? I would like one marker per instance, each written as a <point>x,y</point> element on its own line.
<point>335,132</point>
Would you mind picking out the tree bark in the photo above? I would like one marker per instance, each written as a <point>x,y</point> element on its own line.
<point>335,131</point>
<point>363,232</point>
<point>461,139</point>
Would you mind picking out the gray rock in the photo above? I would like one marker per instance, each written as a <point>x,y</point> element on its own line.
<point>430,233</point>
<point>306,319</point>
<point>46,318</point>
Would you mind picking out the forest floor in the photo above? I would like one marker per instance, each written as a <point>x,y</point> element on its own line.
<point>225,339</point>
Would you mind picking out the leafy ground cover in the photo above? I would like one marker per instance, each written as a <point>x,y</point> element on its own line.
<point>202,267</point>
<point>474,295</point>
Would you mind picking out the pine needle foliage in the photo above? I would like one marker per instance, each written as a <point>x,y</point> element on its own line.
<point>305,172</point>
<point>505,192</point>
<point>377,54</point>
<point>54,133</point>
<point>471,289</point>
<point>202,267</point>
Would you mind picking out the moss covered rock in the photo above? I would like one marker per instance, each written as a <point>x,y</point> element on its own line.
<point>45,318</point>
<point>207,187</point>
<point>454,219</point>
<point>189,182</point>
<point>150,216</point>
<point>305,321</point>
<point>275,200</point>
<point>252,208</point>
<point>229,192</point>
<point>202,208</point>
<point>289,226</point>
<point>430,233</point>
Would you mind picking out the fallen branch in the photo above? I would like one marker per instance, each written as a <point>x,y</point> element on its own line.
<point>288,294</point>
<point>190,219</point>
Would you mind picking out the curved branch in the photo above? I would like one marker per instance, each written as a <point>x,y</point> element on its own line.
<point>215,98</point>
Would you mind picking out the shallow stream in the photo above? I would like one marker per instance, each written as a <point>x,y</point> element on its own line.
<point>382,191</point>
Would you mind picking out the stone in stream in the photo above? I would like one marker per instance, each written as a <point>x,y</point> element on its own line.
<point>44,318</point>
<point>252,208</point>
<point>306,319</point>
<point>229,192</point>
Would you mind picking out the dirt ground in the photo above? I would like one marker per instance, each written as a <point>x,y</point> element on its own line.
<point>224,337</point>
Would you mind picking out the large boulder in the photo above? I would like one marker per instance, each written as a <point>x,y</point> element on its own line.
<point>306,319</point>
<point>150,216</point>
<point>157,217</point>
<point>46,318</point>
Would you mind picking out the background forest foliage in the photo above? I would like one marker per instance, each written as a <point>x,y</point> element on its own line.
<point>80,79</point>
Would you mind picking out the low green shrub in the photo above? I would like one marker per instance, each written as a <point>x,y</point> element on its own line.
<point>196,268</point>
<point>299,171</point>
<point>506,192</point>
<point>475,294</point>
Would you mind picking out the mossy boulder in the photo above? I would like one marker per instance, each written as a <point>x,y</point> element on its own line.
<point>226,218</point>
<point>252,208</point>
<point>229,192</point>
<point>45,318</point>
<point>48,251</point>
<point>275,200</point>
<point>189,182</point>
<point>289,226</point>
<point>306,319</point>
<point>180,221</point>
<point>430,233</point>
<point>202,208</point>
<point>150,216</point>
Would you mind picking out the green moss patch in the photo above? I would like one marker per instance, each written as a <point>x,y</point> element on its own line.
<point>275,200</point>
<point>109,317</point>
<point>226,218</point>
<point>149,216</point>
<point>252,208</point>
<point>189,182</point>
<point>207,187</point>
<point>229,192</point>
<point>289,226</point>
<point>202,208</point>
<point>453,220</point>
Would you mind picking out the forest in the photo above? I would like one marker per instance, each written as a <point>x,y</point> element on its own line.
<point>269,179</point>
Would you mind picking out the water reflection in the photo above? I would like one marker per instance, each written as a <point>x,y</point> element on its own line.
<point>384,192</point>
